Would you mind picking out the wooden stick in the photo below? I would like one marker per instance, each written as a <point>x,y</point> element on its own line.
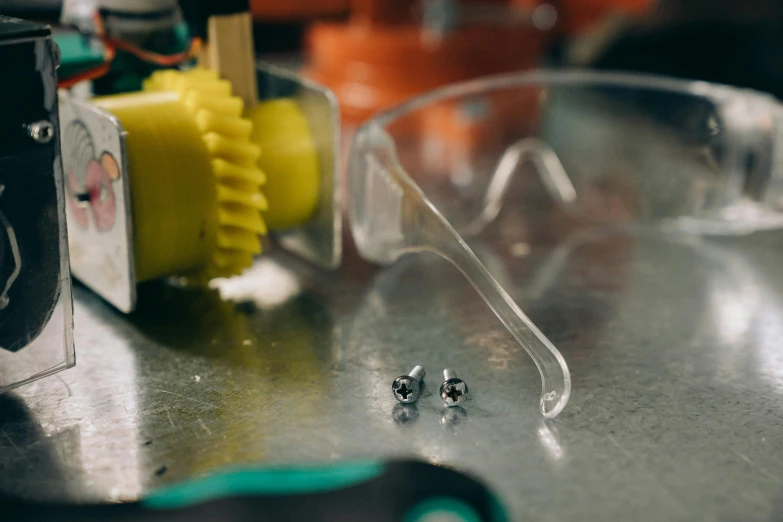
<point>229,51</point>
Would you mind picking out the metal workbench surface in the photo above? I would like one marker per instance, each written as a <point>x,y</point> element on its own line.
<point>674,347</point>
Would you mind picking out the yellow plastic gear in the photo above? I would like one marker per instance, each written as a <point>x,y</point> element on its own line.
<point>195,183</point>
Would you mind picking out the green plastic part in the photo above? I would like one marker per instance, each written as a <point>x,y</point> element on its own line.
<point>283,481</point>
<point>77,53</point>
<point>80,52</point>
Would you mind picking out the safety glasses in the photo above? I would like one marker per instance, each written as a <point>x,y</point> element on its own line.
<point>609,150</point>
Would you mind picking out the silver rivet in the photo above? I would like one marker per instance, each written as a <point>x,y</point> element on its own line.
<point>41,131</point>
<point>407,388</point>
<point>453,391</point>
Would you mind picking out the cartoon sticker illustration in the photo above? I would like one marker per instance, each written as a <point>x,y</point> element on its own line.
<point>90,178</point>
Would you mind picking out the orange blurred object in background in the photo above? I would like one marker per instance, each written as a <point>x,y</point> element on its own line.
<point>383,56</point>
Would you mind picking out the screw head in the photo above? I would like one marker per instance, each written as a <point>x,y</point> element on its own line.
<point>454,391</point>
<point>406,389</point>
<point>41,131</point>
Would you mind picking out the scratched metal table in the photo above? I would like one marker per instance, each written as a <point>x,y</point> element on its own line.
<point>674,347</point>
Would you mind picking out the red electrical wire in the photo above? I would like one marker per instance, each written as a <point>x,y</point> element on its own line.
<point>89,74</point>
<point>166,60</point>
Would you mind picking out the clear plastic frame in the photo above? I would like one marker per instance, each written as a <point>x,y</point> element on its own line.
<point>609,150</point>
<point>36,309</point>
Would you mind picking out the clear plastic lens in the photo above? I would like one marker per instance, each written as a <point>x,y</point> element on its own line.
<point>608,149</point>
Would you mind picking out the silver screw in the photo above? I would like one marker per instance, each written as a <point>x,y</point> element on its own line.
<point>41,131</point>
<point>453,391</point>
<point>407,388</point>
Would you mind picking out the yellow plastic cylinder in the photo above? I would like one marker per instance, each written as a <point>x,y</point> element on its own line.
<point>290,161</point>
<point>173,196</point>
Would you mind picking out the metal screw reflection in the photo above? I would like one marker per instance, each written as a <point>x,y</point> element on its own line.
<point>453,417</point>
<point>405,414</point>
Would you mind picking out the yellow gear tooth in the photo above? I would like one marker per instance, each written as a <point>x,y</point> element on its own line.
<point>241,216</point>
<point>220,88</point>
<point>164,80</point>
<point>209,122</point>
<point>241,186</point>
<point>243,153</point>
<point>159,80</point>
<point>235,196</point>
<point>233,238</point>
<point>230,106</point>
<point>229,171</point>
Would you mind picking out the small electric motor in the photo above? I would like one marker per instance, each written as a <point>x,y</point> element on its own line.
<point>36,310</point>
